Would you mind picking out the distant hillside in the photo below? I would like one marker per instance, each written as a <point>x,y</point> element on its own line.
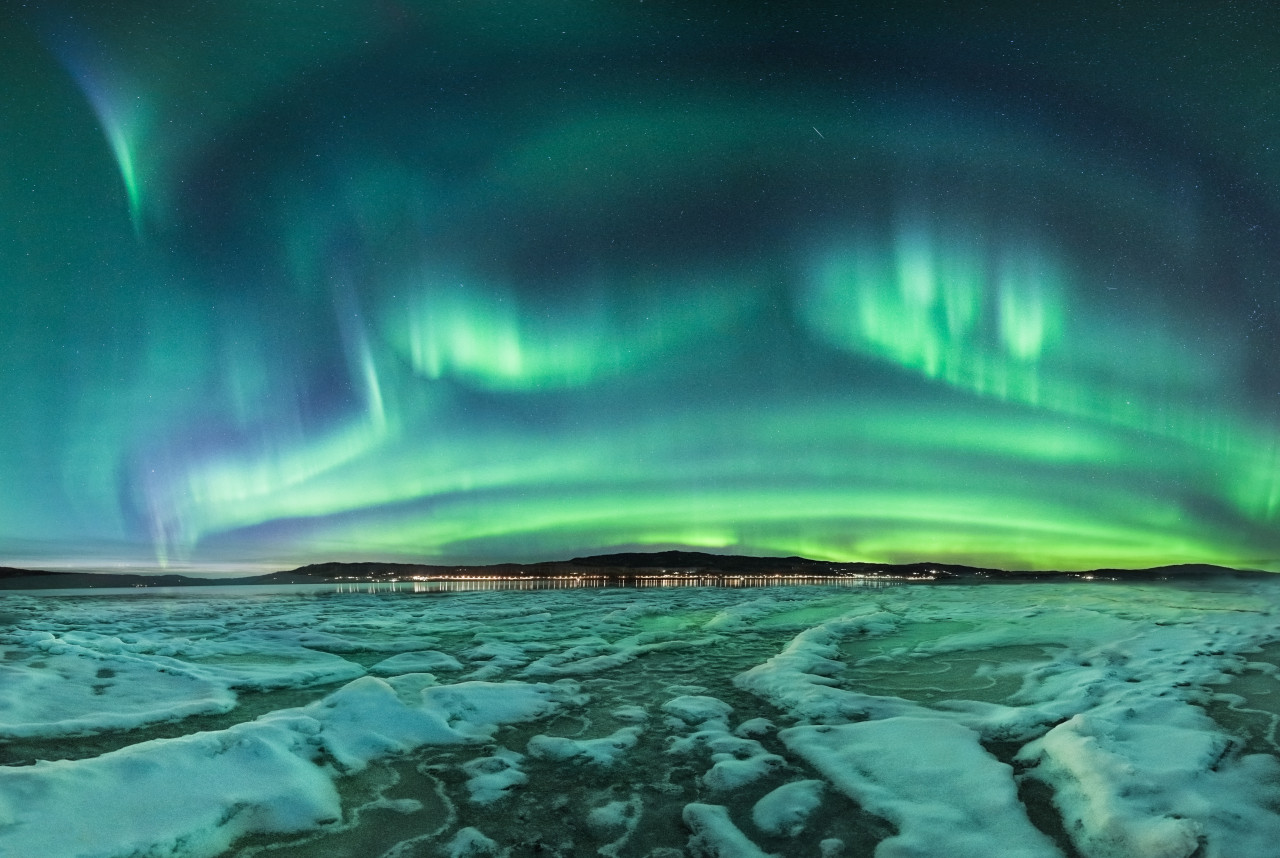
<point>740,565</point>
<point>39,579</point>
<point>620,566</point>
<point>10,572</point>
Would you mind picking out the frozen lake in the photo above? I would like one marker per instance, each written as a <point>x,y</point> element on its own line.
<point>1036,719</point>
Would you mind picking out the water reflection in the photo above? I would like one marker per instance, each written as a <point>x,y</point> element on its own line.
<point>453,585</point>
<point>465,585</point>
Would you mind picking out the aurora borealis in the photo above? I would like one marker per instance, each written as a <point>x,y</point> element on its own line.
<point>489,281</point>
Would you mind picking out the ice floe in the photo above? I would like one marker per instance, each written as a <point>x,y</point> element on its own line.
<point>196,794</point>
<point>715,835</point>
<point>416,662</point>
<point>602,752</point>
<point>932,779</point>
<point>786,809</point>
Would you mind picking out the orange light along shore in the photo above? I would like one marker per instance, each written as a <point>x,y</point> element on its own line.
<point>637,569</point>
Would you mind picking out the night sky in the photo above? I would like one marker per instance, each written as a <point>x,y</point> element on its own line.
<point>476,281</point>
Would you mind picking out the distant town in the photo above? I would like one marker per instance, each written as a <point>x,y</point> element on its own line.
<point>637,569</point>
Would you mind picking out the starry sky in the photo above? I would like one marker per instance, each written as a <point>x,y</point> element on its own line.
<point>468,281</point>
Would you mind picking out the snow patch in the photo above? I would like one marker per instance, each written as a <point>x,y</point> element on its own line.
<point>604,751</point>
<point>932,779</point>
<point>427,661</point>
<point>715,835</point>
<point>786,809</point>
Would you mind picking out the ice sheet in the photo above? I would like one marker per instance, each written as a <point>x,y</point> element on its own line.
<point>922,720</point>
<point>428,661</point>
<point>786,809</point>
<point>715,835</point>
<point>943,791</point>
<point>197,794</point>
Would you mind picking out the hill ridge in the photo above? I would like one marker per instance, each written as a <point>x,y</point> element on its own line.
<point>623,565</point>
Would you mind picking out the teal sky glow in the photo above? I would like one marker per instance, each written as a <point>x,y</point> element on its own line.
<point>488,281</point>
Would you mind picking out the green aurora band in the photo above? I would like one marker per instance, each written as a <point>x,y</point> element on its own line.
<point>487,282</point>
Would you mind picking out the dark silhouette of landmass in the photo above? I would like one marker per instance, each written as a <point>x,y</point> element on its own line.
<point>620,567</point>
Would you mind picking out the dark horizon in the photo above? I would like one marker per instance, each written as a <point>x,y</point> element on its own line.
<point>621,566</point>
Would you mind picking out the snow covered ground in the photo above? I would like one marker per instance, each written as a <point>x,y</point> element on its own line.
<point>1068,719</point>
